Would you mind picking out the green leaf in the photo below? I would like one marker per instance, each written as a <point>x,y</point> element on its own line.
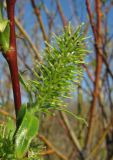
<point>27,130</point>
<point>3,25</point>
<point>4,30</point>
<point>21,114</point>
<point>24,84</point>
<point>4,36</point>
<point>10,127</point>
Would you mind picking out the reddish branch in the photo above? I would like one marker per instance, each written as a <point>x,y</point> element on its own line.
<point>97,36</point>
<point>37,12</point>
<point>64,20</point>
<point>48,143</point>
<point>91,18</point>
<point>11,56</point>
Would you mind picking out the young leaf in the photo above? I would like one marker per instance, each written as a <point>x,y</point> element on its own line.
<point>10,127</point>
<point>21,114</point>
<point>27,130</point>
<point>4,38</point>
<point>3,25</point>
<point>4,30</point>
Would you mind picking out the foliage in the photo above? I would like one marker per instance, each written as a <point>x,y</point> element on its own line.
<point>7,146</point>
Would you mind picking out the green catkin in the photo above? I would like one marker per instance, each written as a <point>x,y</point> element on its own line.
<point>62,67</point>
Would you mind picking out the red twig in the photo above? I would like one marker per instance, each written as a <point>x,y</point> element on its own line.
<point>11,56</point>
<point>97,36</point>
<point>91,18</point>
<point>37,12</point>
<point>64,20</point>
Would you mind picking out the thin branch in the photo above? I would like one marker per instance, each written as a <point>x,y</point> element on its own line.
<point>6,114</point>
<point>52,147</point>
<point>98,43</point>
<point>91,18</point>
<point>37,13</point>
<point>48,152</point>
<point>101,140</point>
<point>71,133</point>
<point>22,30</point>
<point>64,20</point>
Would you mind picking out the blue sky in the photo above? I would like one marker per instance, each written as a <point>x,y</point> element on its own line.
<point>66,6</point>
